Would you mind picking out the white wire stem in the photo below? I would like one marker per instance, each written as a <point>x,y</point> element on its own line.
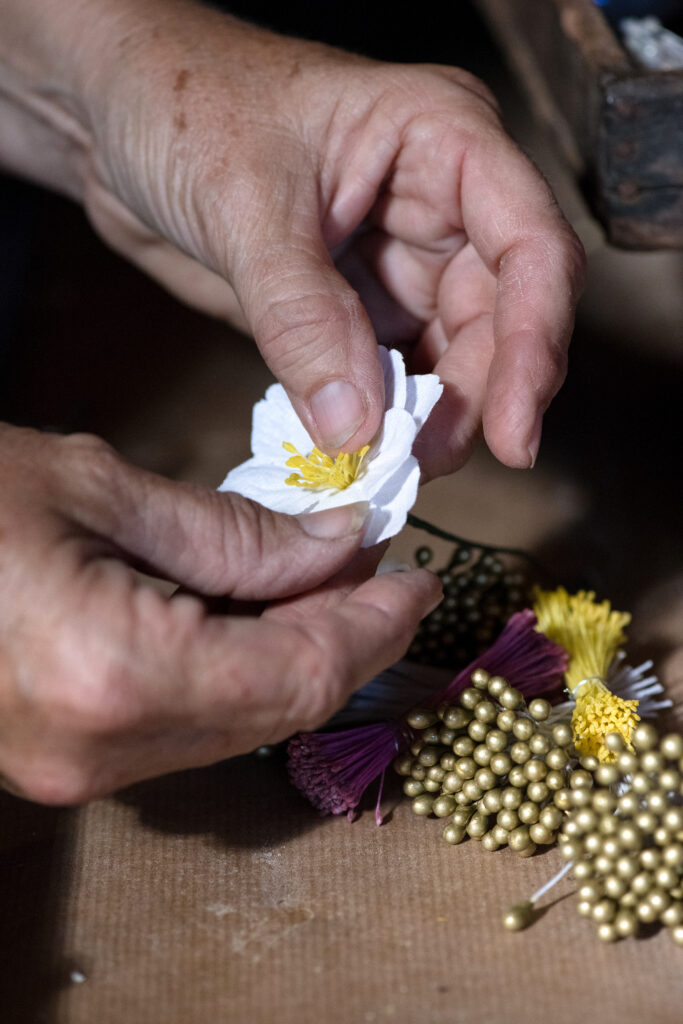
<point>553,881</point>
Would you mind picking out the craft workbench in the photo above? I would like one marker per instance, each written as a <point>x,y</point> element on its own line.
<point>219,895</point>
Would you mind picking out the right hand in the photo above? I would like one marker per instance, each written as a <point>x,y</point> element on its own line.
<point>231,163</point>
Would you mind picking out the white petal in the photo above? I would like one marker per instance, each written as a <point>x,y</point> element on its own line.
<point>390,477</point>
<point>394,444</point>
<point>275,421</point>
<point>386,520</point>
<point>423,392</point>
<point>388,491</point>
<point>265,483</point>
<point>394,371</point>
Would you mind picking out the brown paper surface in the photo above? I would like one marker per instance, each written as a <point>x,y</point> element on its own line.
<point>219,895</point>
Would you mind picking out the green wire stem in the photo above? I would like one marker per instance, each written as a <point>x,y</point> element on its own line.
<point>436,531</point>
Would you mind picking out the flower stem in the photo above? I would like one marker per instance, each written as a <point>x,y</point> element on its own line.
<point>436,531</point>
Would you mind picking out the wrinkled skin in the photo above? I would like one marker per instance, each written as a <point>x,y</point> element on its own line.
<point>319,200</point>
<point>104,681</point>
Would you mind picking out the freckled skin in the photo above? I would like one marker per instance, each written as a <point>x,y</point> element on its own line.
<point>182,78</point>
<point>230,163</point>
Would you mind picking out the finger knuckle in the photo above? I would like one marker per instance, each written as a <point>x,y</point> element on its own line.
<point>576,262</point>
<point>105,708</point>
<point>289,327</point>
<point>92,460</point>
<point>243,534</point>
<point>87,447</point>
<point>94,482</point>
<point>474,86</point>
<point>241,544</point>
<point>90,705</point>
<point>69,720</point>
<point>321,676</point>
<point>564,252</point>
<point>459,94</point>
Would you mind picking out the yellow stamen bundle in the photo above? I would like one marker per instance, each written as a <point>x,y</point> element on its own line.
<point>317,470</point>
<point>599,712</point>
<point>591,633</point>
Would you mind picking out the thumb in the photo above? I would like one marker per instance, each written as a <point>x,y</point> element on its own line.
<point>314,334</point>
<point>213,543</point>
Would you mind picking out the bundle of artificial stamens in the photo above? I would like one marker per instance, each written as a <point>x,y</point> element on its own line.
<point>486,762</point>
<point>587,773</point>
<point>592,634</point>
<point>333,769</point>
<point>483,586</point>
<point>627,850</point>
<point>482,589</point>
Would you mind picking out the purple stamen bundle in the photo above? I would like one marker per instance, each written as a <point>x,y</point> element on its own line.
<point>334,769</point>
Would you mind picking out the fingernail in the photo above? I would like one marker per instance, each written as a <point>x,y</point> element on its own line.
<point>338,412</point>
<point>335,522</point>
<point>391,564</point>
<point>535,440</point>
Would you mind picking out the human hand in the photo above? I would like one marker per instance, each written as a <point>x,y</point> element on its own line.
<point>104,681</point>
<point>231,163</point>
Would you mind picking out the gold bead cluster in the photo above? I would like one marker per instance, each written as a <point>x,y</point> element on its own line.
<point>481,592</point>
<point>624,835</point>
<point>487,764</point>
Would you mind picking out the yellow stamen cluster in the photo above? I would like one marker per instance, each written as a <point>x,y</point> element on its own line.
<point>318,471</point>
<point>598,713</point>
<point>591,633</point>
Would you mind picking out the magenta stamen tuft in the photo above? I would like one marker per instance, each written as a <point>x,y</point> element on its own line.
<point>334,769</point>
<point>527,659</point>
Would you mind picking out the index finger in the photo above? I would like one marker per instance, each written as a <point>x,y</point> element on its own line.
<point>512,219</point>
<point>305,665</point>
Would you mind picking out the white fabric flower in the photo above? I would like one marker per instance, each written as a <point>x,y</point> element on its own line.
<point>387,474</point>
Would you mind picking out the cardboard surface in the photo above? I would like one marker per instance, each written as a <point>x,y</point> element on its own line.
<point>219,895</point>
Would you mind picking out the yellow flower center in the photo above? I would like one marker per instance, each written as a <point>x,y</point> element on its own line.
<point>599,712</point>
<point>318,471</point>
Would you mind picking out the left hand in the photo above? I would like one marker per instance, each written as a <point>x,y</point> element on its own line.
<point>104,682</point>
